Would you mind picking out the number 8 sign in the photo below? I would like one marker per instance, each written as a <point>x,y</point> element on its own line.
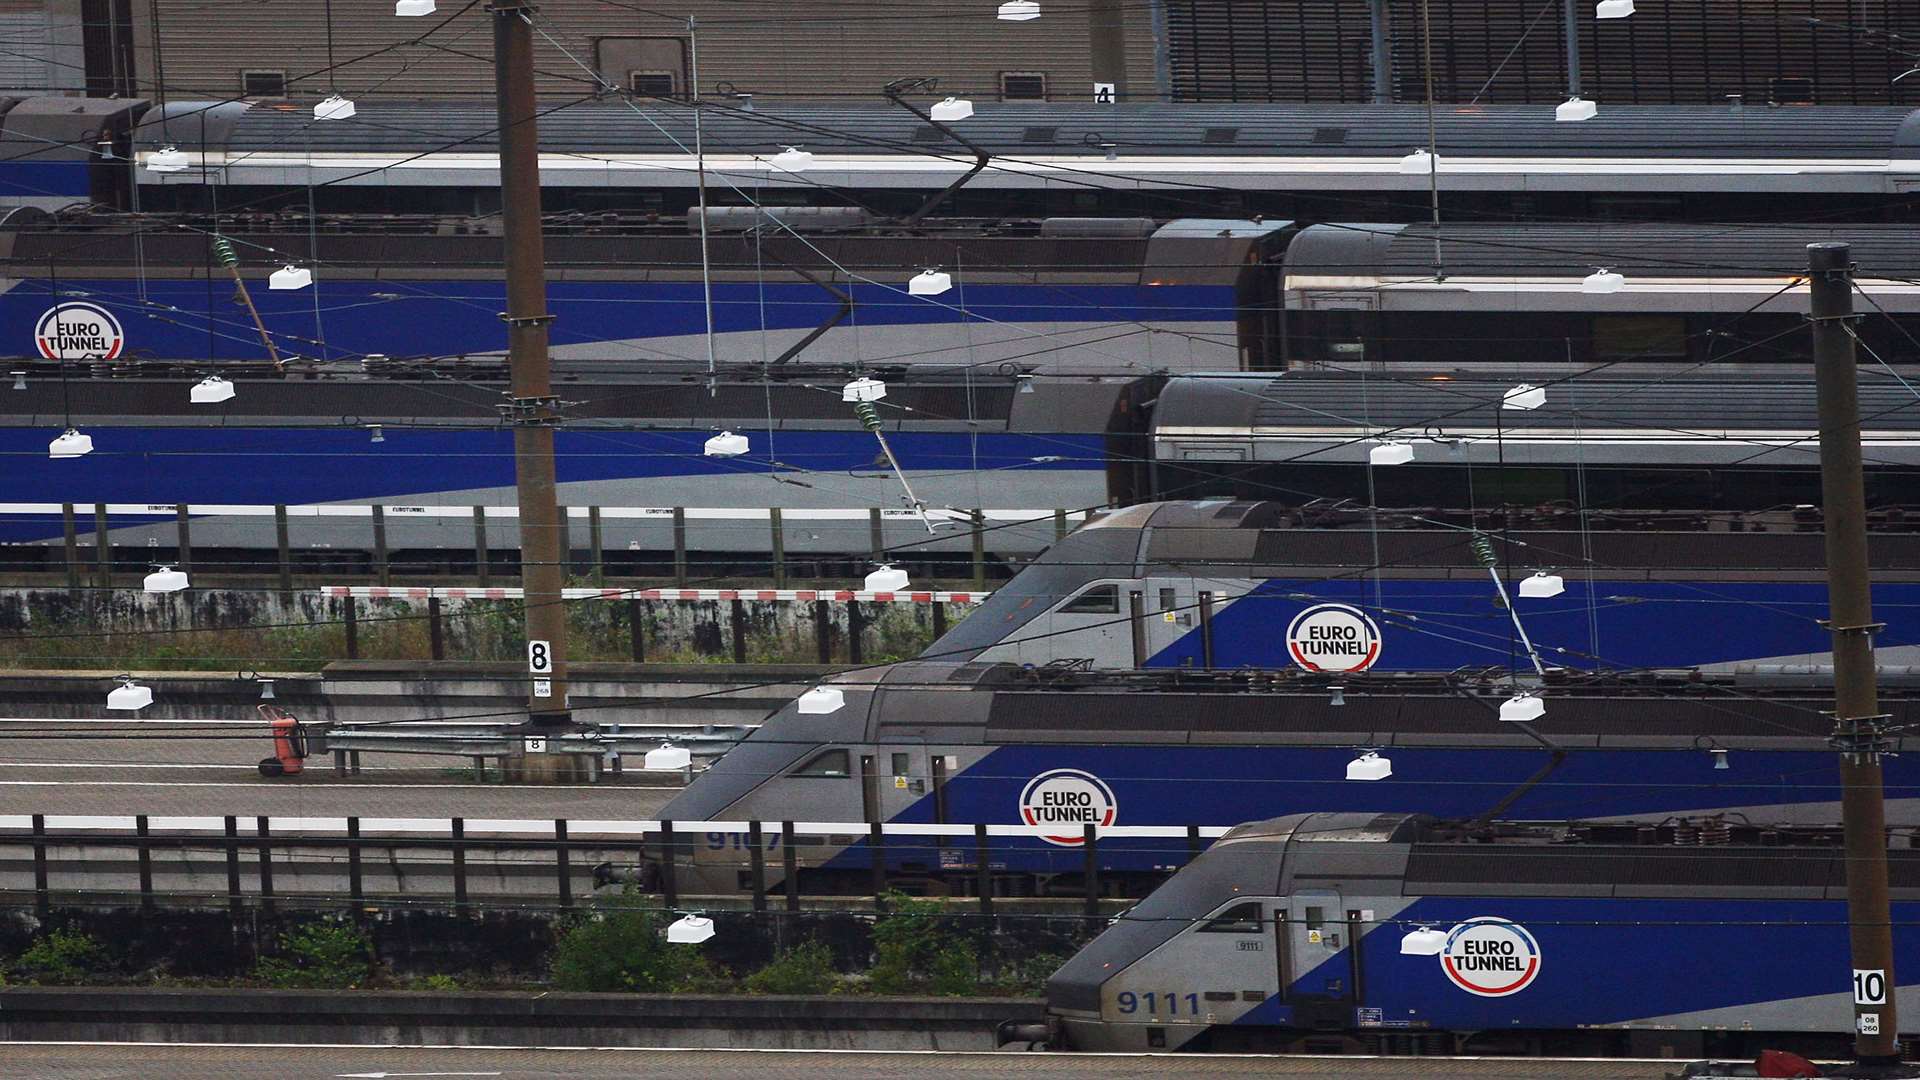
<point>540,657</point>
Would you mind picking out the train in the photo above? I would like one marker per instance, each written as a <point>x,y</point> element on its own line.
<point>1342,932</point>
<point>1324,161</point>
<point>944,742</point>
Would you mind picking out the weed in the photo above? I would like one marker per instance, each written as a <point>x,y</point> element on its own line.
<point>62,956</point>
<point>329,955</point>
<point>804,969</point>
<point>624,951</point>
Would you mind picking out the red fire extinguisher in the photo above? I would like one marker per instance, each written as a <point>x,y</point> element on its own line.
<point>289,743</point>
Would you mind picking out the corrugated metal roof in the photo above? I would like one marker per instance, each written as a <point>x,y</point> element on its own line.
<point>1015,130</point>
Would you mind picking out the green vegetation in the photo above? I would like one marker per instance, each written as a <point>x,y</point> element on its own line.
<point>62,956</point>
<point>916,953</point>
<point>626,951</point>
<point>330,955</point>
<point>803,969</point>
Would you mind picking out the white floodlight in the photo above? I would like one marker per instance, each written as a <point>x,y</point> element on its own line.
<point>792,159</point>
<point>266,690</point>
<point>211,390</point>
<point>690,930</point>
<point>334,108</point>
<point>822,700</point>
<point>1369,766</point>
<point>378,433</point>
<point>887,579</point>
<point>1419,163</point>
<point>167,159</point>
<point>129,696</point>
<point>1576,108</point>
<point>70,444</point>
<point>1720,759</point>
<point>1018,11</point>
<point>1525,396</point>
<point>412,8</point>
<point>290,277</point>
<point>1603,280</point>
<point>930,283</point>
<point>953,108</point>
<point>1390,453</point>
<point>165,580</point>
<point>1613,9</point>
<point>726,444</point>
<point>1425,941</point>
<point>669,756</point>
<point>863,388</point>
<point>19,380</point>
<point>1542,585</point>
<point>1520,708</point>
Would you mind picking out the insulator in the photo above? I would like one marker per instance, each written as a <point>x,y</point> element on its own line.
<point>1483,550</point>
<point>1686,834</point>
<point>223,251</point>
<point>869,416</point>
<point>1716,831</point>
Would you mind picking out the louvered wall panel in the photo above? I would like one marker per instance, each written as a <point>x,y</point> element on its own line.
<point>1514,51</point>
<point>830,48</point>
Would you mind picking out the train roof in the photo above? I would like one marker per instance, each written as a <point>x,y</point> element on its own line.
<point>998,703</point>
<point>1655,147</point>
<point>1456,418</point>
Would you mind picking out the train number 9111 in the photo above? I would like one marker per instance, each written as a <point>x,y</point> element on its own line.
<point>1154,1004</point>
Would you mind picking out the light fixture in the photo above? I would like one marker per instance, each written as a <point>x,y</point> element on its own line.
<point>669,756</point>
<point>1542,585</point>
<point>266,690</point>
<point>887,579</point>
<point>129,696</point>
<point>690,930</point>
<point>1613,9</point>
<point>1425,941</point>
<point>70,444</point>
<point>211,390</point>
<point>1525,396</point>
<point>1603,280</point>
<point>410,8</point>
<point>167,159</point>
<point>1336,695</point>
<point>334,108</point>
<point>863,388</point>
<point>930,282</point>
<point>1018,11</point>
<point>726,444</point>
<point>1025,382</point>
<point>1719,759</point>
<point>822,700</point>
<point>290,277</point>
<point>1419,163</point>
<point>1369,766</point>
<point>379,433</point>
<point>19,380</point>
<point>1521,708</point>
<point>954,108</point>
<point>1576,108</point>
<point>1390,453</point>
<point>792,159</point>
<point>165,579</point>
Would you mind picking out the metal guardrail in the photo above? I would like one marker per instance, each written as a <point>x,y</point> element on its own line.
<point>607,746</point>
<point>804,596</point>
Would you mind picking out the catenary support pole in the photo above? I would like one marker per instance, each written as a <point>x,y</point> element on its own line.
<point>534,411</point>
<point>1857,718</point>
<point>1573,47</point>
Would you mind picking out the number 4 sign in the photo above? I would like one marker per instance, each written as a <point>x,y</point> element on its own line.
<point>539,657</point>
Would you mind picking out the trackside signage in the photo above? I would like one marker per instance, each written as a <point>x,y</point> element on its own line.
<point>78,332</point>
<point>1333,638</point>
<point>1491,957</point>
<point>1070,799</point>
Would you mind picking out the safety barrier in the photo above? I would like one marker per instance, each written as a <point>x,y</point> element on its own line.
<point>436,592</point>
<point>272,842</point>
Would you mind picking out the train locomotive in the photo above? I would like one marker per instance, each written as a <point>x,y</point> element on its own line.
<point>939,742</point>
<point>1646,939</point>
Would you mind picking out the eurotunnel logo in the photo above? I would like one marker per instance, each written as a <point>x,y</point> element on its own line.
<point>1333,638</point>
<point>75,331</point>
<point>1491,957</point>
<point>1069,798</point>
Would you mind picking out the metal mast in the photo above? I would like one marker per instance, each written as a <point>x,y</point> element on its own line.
<point>534,411</point>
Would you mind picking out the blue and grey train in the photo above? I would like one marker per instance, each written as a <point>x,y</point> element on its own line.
<point>1645,939</point>
<point>939,742</point>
